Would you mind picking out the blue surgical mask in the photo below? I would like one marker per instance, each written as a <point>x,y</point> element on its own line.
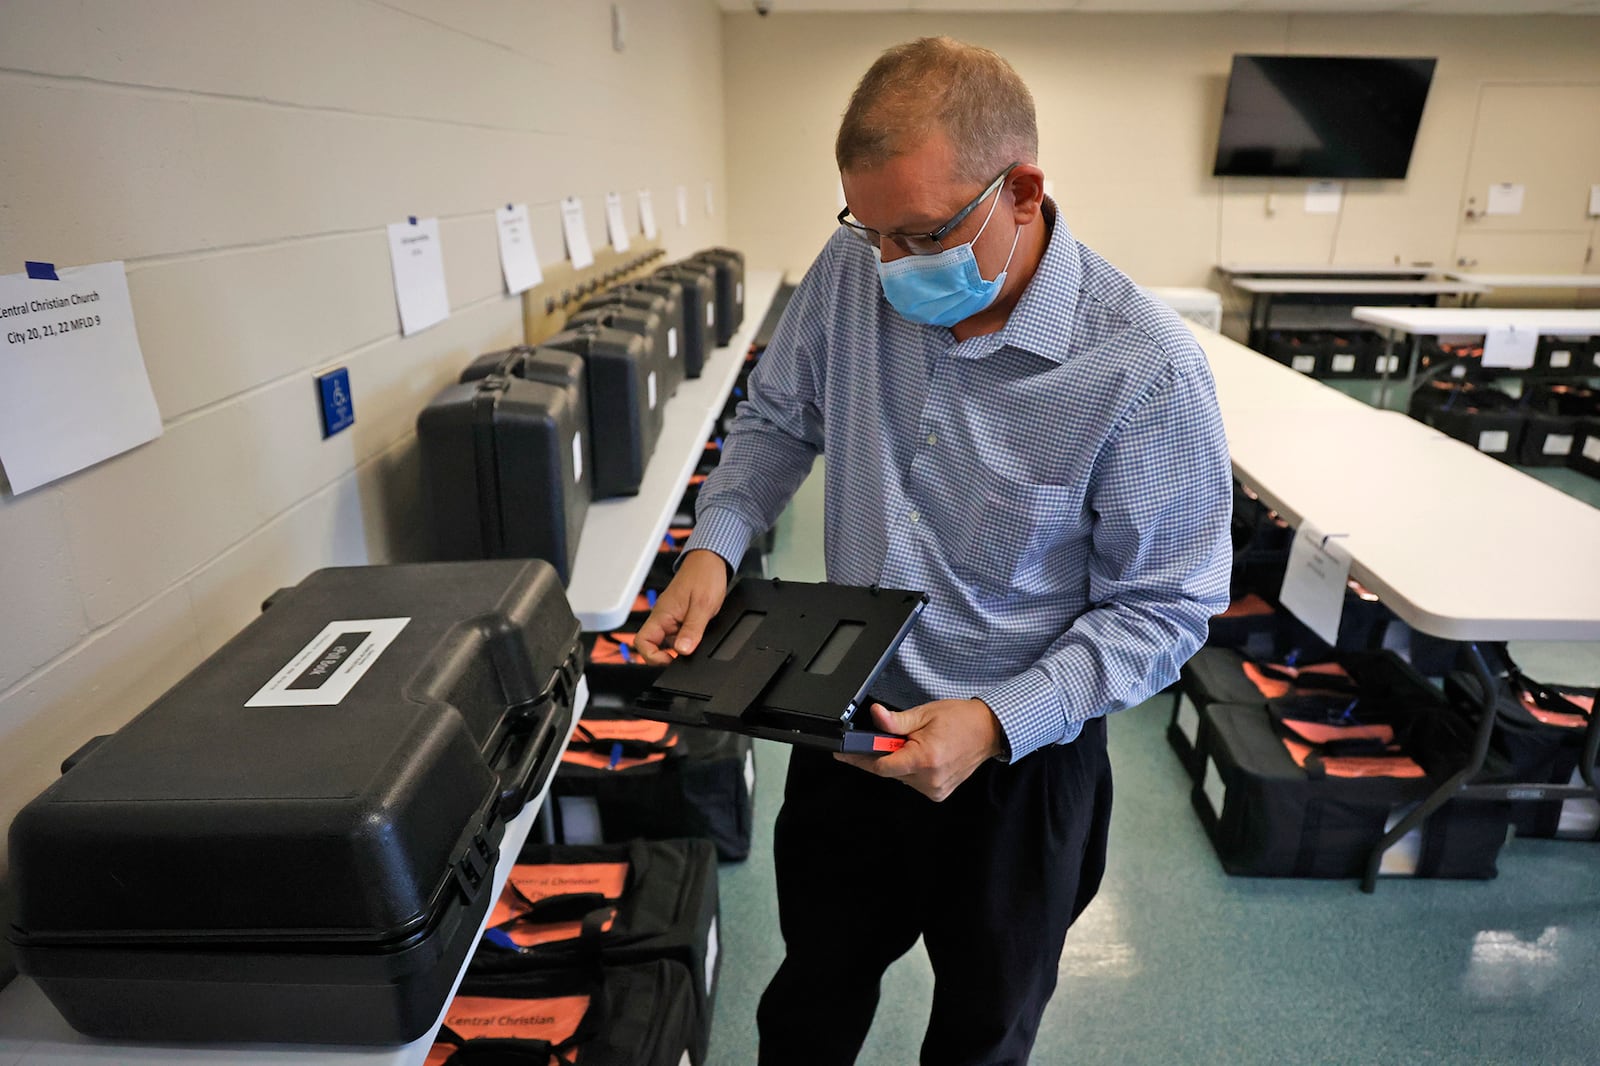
<point>946,287</point>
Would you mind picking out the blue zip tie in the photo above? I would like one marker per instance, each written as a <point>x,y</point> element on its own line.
<point>627,656</point>
<point>650,597</point>
<point>616,754</point>
<point>500,938</point>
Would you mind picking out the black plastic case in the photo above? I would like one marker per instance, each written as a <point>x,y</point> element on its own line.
<point>666,303</point>
<point>789,661</point>
<point>648,325</point>
<point>730,290</point>
<point>697,289</point>
<point>506,461</point>
<point>624,407</point>
<point>296,843</point>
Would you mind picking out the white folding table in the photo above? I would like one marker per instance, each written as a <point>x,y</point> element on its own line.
<point>1421,516</point>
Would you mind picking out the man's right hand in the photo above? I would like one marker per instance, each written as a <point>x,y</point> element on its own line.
<point>683,609</point>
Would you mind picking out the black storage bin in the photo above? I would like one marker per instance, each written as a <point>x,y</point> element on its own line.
<point>1563,355</point>
<point>624,411</point>
<point>1269,817</point>
<point>1302,350</point>
<point>505,461</point>
<point>667,308</point>
<point>1350,355</point>
<point>1485,418</point>
<point>625,777</point>
<point>1585,456</point>
<point>565,906</point>
<point>1548,440</point>
<point>730,290</point>
<point>639,1015</point>
<point>698,284</point>
<point>1562,398</point>
<point>297,842</point>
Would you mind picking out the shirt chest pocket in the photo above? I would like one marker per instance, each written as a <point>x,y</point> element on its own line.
<point>1002,533</point>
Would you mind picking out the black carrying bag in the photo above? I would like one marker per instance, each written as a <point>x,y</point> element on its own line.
<point>624,405</point>
<point>638,1015</point>
<point>1538,738</point>
<point>506,461</point>
<point>624,777</point>
<point>619,904</point>
<point>296,843</point>
<point>1268,816</point>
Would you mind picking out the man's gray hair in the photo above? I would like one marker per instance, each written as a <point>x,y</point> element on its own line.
<point>934,84</point>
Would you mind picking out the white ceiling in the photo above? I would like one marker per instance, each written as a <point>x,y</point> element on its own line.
<point>1415,7</point>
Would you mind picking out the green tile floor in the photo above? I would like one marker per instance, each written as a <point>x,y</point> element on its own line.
<point>1177,963</point>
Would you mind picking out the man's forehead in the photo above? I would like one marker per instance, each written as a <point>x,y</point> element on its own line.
<point>912,192</point>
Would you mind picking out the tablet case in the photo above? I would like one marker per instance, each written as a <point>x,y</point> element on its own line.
<point>789,661</point>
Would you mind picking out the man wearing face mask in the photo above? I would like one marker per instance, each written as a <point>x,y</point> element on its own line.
<point>1014,427</point>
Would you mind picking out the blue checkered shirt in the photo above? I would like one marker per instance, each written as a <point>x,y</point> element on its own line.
<point>1060,488</point>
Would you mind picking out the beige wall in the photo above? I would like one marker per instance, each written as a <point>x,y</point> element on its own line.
<point>1129,107</point>
<point>244,159</point>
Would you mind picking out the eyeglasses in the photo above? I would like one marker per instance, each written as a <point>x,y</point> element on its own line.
<point>923,243</point>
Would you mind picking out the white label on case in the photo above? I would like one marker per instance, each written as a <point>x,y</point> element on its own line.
<point>577,458</point>
<point>1402,858</point>
<point>1591,449</point>
<point>322,673</point>
<point>1561,357</point>
<point>711,314</point>
<point>650,382</point>
<point>1494,441</point>
<point>1388,364</point>
<point>750,774</point>
<point>1558,444</point>
<point>711,956</point>
<point>672,343</point>
<point>1188,720</point>
<point>686,1060</point>
<point>1344,364</point>
<point>1212,787</point>
<point>738,291</point>
<point>579,817</point>
<point>1304,363</point>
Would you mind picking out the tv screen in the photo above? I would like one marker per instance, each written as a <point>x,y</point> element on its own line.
<point>1321,116</point>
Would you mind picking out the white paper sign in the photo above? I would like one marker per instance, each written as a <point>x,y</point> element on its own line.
<point>1510,347</point>
<point>1505,198</point>
<point>616,225</point>
<point>1324,197</point>
<point>647,215</point>
<point>1594,201</point>
<point>73,386</point>
<point>1314,584</point>
<point>683,205</point>
<point>322,673</point>
<point>518,260</point>
<point>418,262</point>
<point>711,206</point>
<point>576,233</point>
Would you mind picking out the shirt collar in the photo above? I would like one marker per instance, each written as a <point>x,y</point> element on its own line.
<point>1039,322</point>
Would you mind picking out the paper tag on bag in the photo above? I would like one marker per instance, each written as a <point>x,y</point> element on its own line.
<point>576,233</point>
<point>1314,583</point>
<point>616,225</point>
<point>1510,347</point>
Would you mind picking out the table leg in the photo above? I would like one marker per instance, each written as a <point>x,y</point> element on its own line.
<point>1388,357</point>
<point>1411,367</point>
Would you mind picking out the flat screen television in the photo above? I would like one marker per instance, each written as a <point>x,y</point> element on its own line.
<point>1321,116</point>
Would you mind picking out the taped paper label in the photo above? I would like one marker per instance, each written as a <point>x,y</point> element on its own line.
<point>323,672</point>
<point>1344,364</point>
<point>672,342</point>
<point>1558,444</point>
<point>1314,582</point>
<point>650,383</point>
<point>711,956</point>
<point>1304,363</point>
<point>577,457</point>
<point>1211,786</point>
<point>1188,720</point>
<point>1560,359</point>
<point>1494,441</point>
<point>1591,449</point>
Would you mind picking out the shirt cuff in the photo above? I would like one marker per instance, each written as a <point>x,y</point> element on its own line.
<point>721,531</point>
<point>1030,712</point>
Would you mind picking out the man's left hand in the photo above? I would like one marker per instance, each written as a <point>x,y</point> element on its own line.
<point>945,741</point>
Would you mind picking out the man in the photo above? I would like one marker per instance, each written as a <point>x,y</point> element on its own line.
<point>1012,426</point>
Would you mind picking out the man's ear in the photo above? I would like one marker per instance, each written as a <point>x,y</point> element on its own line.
<point>1027,192</point>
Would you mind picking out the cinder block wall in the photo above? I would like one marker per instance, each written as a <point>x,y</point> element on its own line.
<point>244,158</point>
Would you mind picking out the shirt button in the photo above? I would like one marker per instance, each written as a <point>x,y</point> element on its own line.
<point>933,438</point>
<point>915,516</point>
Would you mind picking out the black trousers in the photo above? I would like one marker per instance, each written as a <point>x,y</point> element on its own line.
<point>990,879</point>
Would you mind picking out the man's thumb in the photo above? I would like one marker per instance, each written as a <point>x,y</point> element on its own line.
<point>897,722</point>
